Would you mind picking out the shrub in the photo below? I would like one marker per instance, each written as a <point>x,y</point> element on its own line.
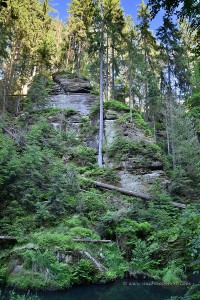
<point>92,203</point>
<point>116,105</point>
<point>38,93</point>
<point>141,260</point>
<point>173,273</point>
<point>3,274</point>
<point>84,271</point>
<point>84,156</point>
<point>122,147</point>
<point>104,174</point>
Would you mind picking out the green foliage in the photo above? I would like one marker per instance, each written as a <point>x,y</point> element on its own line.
<point>94,109</point>
<point>103,174</point>
<point>115,261</point>
<point>84,156</point>
<point>84,271</point>
<point>116,105</point>
<point>87,128</point>
<point>193,293</point>
<point>14,296</point>
<point>37,179</point>
<point>48,240</point>
<point>142,260</point>
<point>128,231</point>
<point>123,148</point>
<point>92,203</point>
<point>27,279</point>
<point>3,274</point>
<point>69,75</point>
<point>138,120</point>
<point>36,115</point>
<point>140,123</point>
<point>173,274</point>
<point>111,104</point>
<point>37,96</point>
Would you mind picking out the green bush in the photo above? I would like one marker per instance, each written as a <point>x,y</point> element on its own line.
<point>92,203</point>
<point>123,148</point>
<point>27,279</point>
<point>116,105</point>
<point>173,274</point>
<point>84,271</point>
<point>111,104</point>
<point>39,91</point>
<point>14,296</point>
<point>142,260</point>
<point>137,120</point>
<point>87,128</point>
<point>114,259</point>
<point>3,274</point>
<point>84,156</point>
<point>103,174</point>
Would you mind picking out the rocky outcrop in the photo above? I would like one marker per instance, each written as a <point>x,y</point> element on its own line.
<point>137,172</point>
<point>70,85</point>
<point>78,102</point>
<point>67,93</point>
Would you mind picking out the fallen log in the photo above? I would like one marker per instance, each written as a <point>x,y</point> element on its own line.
<point>7,237</point>
<point>180,205</point>
<point>91,241</point>
<point>15,136</point>
<point>131,193</point>
<point>19,141</point>
<point>122,191</point>
<point>95,262</point>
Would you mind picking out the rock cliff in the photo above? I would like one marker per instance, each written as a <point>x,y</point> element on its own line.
<point>138,169</point>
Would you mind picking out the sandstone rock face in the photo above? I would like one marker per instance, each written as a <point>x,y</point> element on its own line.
<point>71,93</point>
<point>78,102</point>
<point>138,172</point>
<point>68,85</point>
<point>110,133</point>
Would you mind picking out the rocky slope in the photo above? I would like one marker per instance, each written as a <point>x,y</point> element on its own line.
<point>138,171</point>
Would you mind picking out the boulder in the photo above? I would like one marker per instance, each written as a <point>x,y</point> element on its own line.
<point>111,115</point>
<point>71,85</point>
<point>56,89</point>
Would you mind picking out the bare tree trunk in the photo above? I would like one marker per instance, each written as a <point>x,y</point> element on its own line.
<point>146,113</point>
<point>154,128</point>
<point>79,58</point>
<point>131,193</point>
<point>100,156</point>
<point>4,100</point>
<point>130,94</point>
<point>167,129</point>
<point>113,69</point>
<point>107,68</point>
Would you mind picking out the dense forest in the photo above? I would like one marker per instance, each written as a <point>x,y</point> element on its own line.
<point>64,217</point>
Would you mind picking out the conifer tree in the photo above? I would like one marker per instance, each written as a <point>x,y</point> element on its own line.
<point>148,46</point>
<point>27,26</point>
<point>81,17</point>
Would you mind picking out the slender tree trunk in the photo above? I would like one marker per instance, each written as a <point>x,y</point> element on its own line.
<point>69,49</point>
<point>4,104</point>
<point>107,69</point>
<point>145,85</point>
<point>100,156</point>
<point>130,89</point>
<point>172,136</point>
<point>113,70</point>
<point>167,121</point>
<point>79,58</point>
<point>154,127</point>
